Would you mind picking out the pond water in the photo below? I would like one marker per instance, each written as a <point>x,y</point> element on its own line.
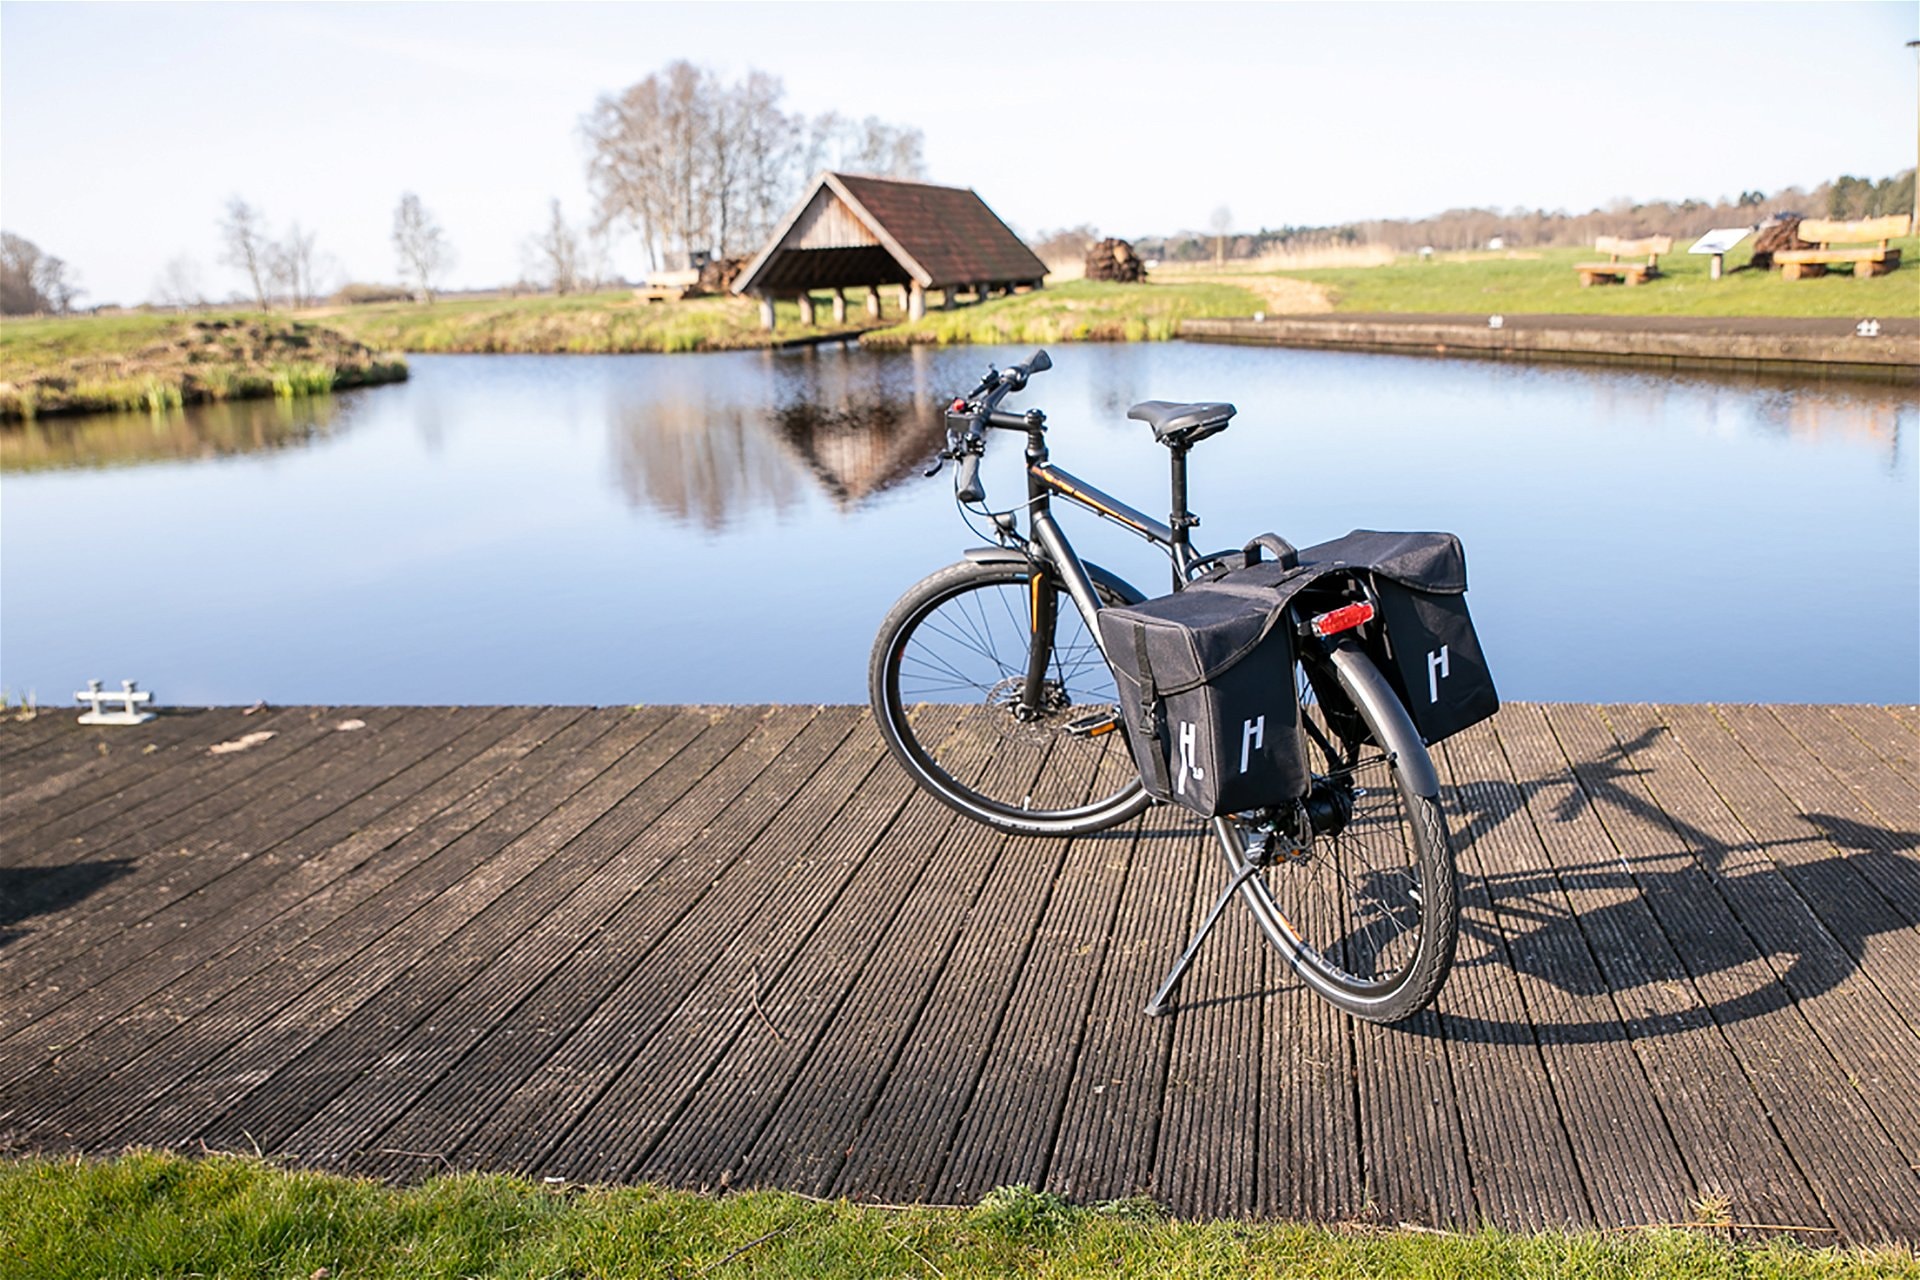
<point>731,528</point>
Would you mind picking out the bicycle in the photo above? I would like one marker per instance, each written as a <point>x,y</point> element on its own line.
<point>991,685</point>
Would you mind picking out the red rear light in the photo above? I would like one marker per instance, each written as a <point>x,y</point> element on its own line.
<point>958,406</point>
<point>1345,618</point>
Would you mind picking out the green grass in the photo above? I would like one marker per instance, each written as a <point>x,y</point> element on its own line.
<point>1076,311</point>
<point>158,363</point>
<point>148,1214</point>
<point>1547,284</point>
<point>591,323</point>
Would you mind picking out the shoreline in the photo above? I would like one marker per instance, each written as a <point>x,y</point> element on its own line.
<point>1816,347</point>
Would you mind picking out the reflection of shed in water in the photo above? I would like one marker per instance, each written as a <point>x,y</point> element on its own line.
<point>702,463</point>
<point>858,450</point>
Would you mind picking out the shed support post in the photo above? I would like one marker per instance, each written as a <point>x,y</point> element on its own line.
<point>839,306</point>
<point>766,312</point>
<point>873,302</point>
<point>916,302</point>
<point>947,297</point>
<point>806,309</point>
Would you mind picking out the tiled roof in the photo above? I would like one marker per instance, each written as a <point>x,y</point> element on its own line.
<point>949,231</point>
<point>937,235</point>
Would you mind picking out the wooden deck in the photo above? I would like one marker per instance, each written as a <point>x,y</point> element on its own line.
<point>732,947</point>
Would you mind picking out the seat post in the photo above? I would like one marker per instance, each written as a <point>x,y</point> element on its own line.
<point>1180,519</point>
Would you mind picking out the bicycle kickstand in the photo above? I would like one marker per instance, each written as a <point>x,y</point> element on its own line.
<point>1243,868</point>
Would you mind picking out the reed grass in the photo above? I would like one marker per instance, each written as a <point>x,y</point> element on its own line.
<point>1079,311</point>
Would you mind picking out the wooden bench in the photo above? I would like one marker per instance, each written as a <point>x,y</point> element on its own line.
<point>1592,273</point>
<point>1867,259</point>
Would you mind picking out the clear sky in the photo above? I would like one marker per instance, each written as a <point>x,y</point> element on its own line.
<point>126,128</point>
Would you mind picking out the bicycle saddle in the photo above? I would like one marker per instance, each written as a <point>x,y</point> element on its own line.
<point>1182,424</point>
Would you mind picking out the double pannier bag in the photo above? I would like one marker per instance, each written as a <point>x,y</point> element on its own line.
<point>1423,639</point>
<point>1206,691</point>
<point>1206,675</point>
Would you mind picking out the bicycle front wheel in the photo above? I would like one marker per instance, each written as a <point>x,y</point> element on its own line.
<point>946,682</point>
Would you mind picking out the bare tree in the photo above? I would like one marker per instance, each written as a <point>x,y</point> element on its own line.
<point>290,267</point>
<point>31,280</point>
<point>179,284</point>
<point>424,252</point>
<point>556,259</point>
<point>245,247</point>
<point>693,164</point>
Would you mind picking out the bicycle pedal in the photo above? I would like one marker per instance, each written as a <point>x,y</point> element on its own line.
<point>1093,726</point>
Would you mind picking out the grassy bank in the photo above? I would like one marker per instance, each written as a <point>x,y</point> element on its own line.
<point>1544,281</point>
<point>1077,311</point>
<point>583,324</point>
<point>77,364</point>
<point>148,1214</point>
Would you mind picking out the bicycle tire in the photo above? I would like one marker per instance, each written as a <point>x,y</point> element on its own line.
<point>1340,912</point>
<point>960,637</point>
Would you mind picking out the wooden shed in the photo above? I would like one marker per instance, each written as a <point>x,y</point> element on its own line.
<point>853,232</point>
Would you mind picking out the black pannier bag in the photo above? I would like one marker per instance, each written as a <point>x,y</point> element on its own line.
<point>1206,675</point>
<point>1423,640</point>
<point>1206,689</point>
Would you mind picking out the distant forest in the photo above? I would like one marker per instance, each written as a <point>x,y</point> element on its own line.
<point>1843,197</point>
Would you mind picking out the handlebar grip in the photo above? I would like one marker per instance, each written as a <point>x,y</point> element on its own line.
<point>966,479</point>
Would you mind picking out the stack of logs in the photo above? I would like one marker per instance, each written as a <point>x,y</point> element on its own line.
<point>1115,260</point>
<point>1776,234</point>
<point>718,274</point>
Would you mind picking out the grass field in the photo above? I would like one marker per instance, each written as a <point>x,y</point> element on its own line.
<point>585,324</point>
<point>148,1214</point>
<point>1077,311</point>
<point>1543,282</point>
<point>72,364</point>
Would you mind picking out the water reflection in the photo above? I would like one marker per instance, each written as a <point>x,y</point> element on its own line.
<point>133,439</point>
<point>712,452</point>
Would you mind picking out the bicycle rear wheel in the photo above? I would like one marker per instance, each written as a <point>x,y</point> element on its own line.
<point>1367,911</point>
<point>960,640</point>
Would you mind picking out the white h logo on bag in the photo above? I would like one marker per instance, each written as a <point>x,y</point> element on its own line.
<point>1188,762</point>
<point>1436,672</point>
<point>1253,734</point>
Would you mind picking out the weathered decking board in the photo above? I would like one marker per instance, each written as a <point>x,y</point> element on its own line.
<point>734,946</point>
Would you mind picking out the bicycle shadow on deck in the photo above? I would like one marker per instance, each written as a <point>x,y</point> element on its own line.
<point>1664,929</point>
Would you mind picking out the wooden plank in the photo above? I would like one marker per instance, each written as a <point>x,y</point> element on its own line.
<point>1828,808</point>
<point>1726,1142</point>
<point>1834,230</point>
<point>1891,791</point>
<point>117,923</point>
<point>1892,738</point>
<point>50,829</point>
<point>1206,1150</point>
<point>1007,1132</point>
<point>912,1130</point>
<point>65,772</point>
<point>108,1044</point>
<point>1109,1126</point>
<point>526,1088</point>
<point>686,1107</point>
<point>563,967</point>
<point>1845,892</point>
<point>1872,1048</point>
<point>1627,1162</point>
<point>445,872</point>
<point>608,856</point>
<point>846,1010</point>
<point>1522,1162</point>
<point>1778,1052</point>
<point>525,866</point>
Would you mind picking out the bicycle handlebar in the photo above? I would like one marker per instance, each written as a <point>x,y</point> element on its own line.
<point>971,414</point>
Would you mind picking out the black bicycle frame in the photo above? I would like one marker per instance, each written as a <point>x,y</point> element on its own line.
<point>1043,481</point>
